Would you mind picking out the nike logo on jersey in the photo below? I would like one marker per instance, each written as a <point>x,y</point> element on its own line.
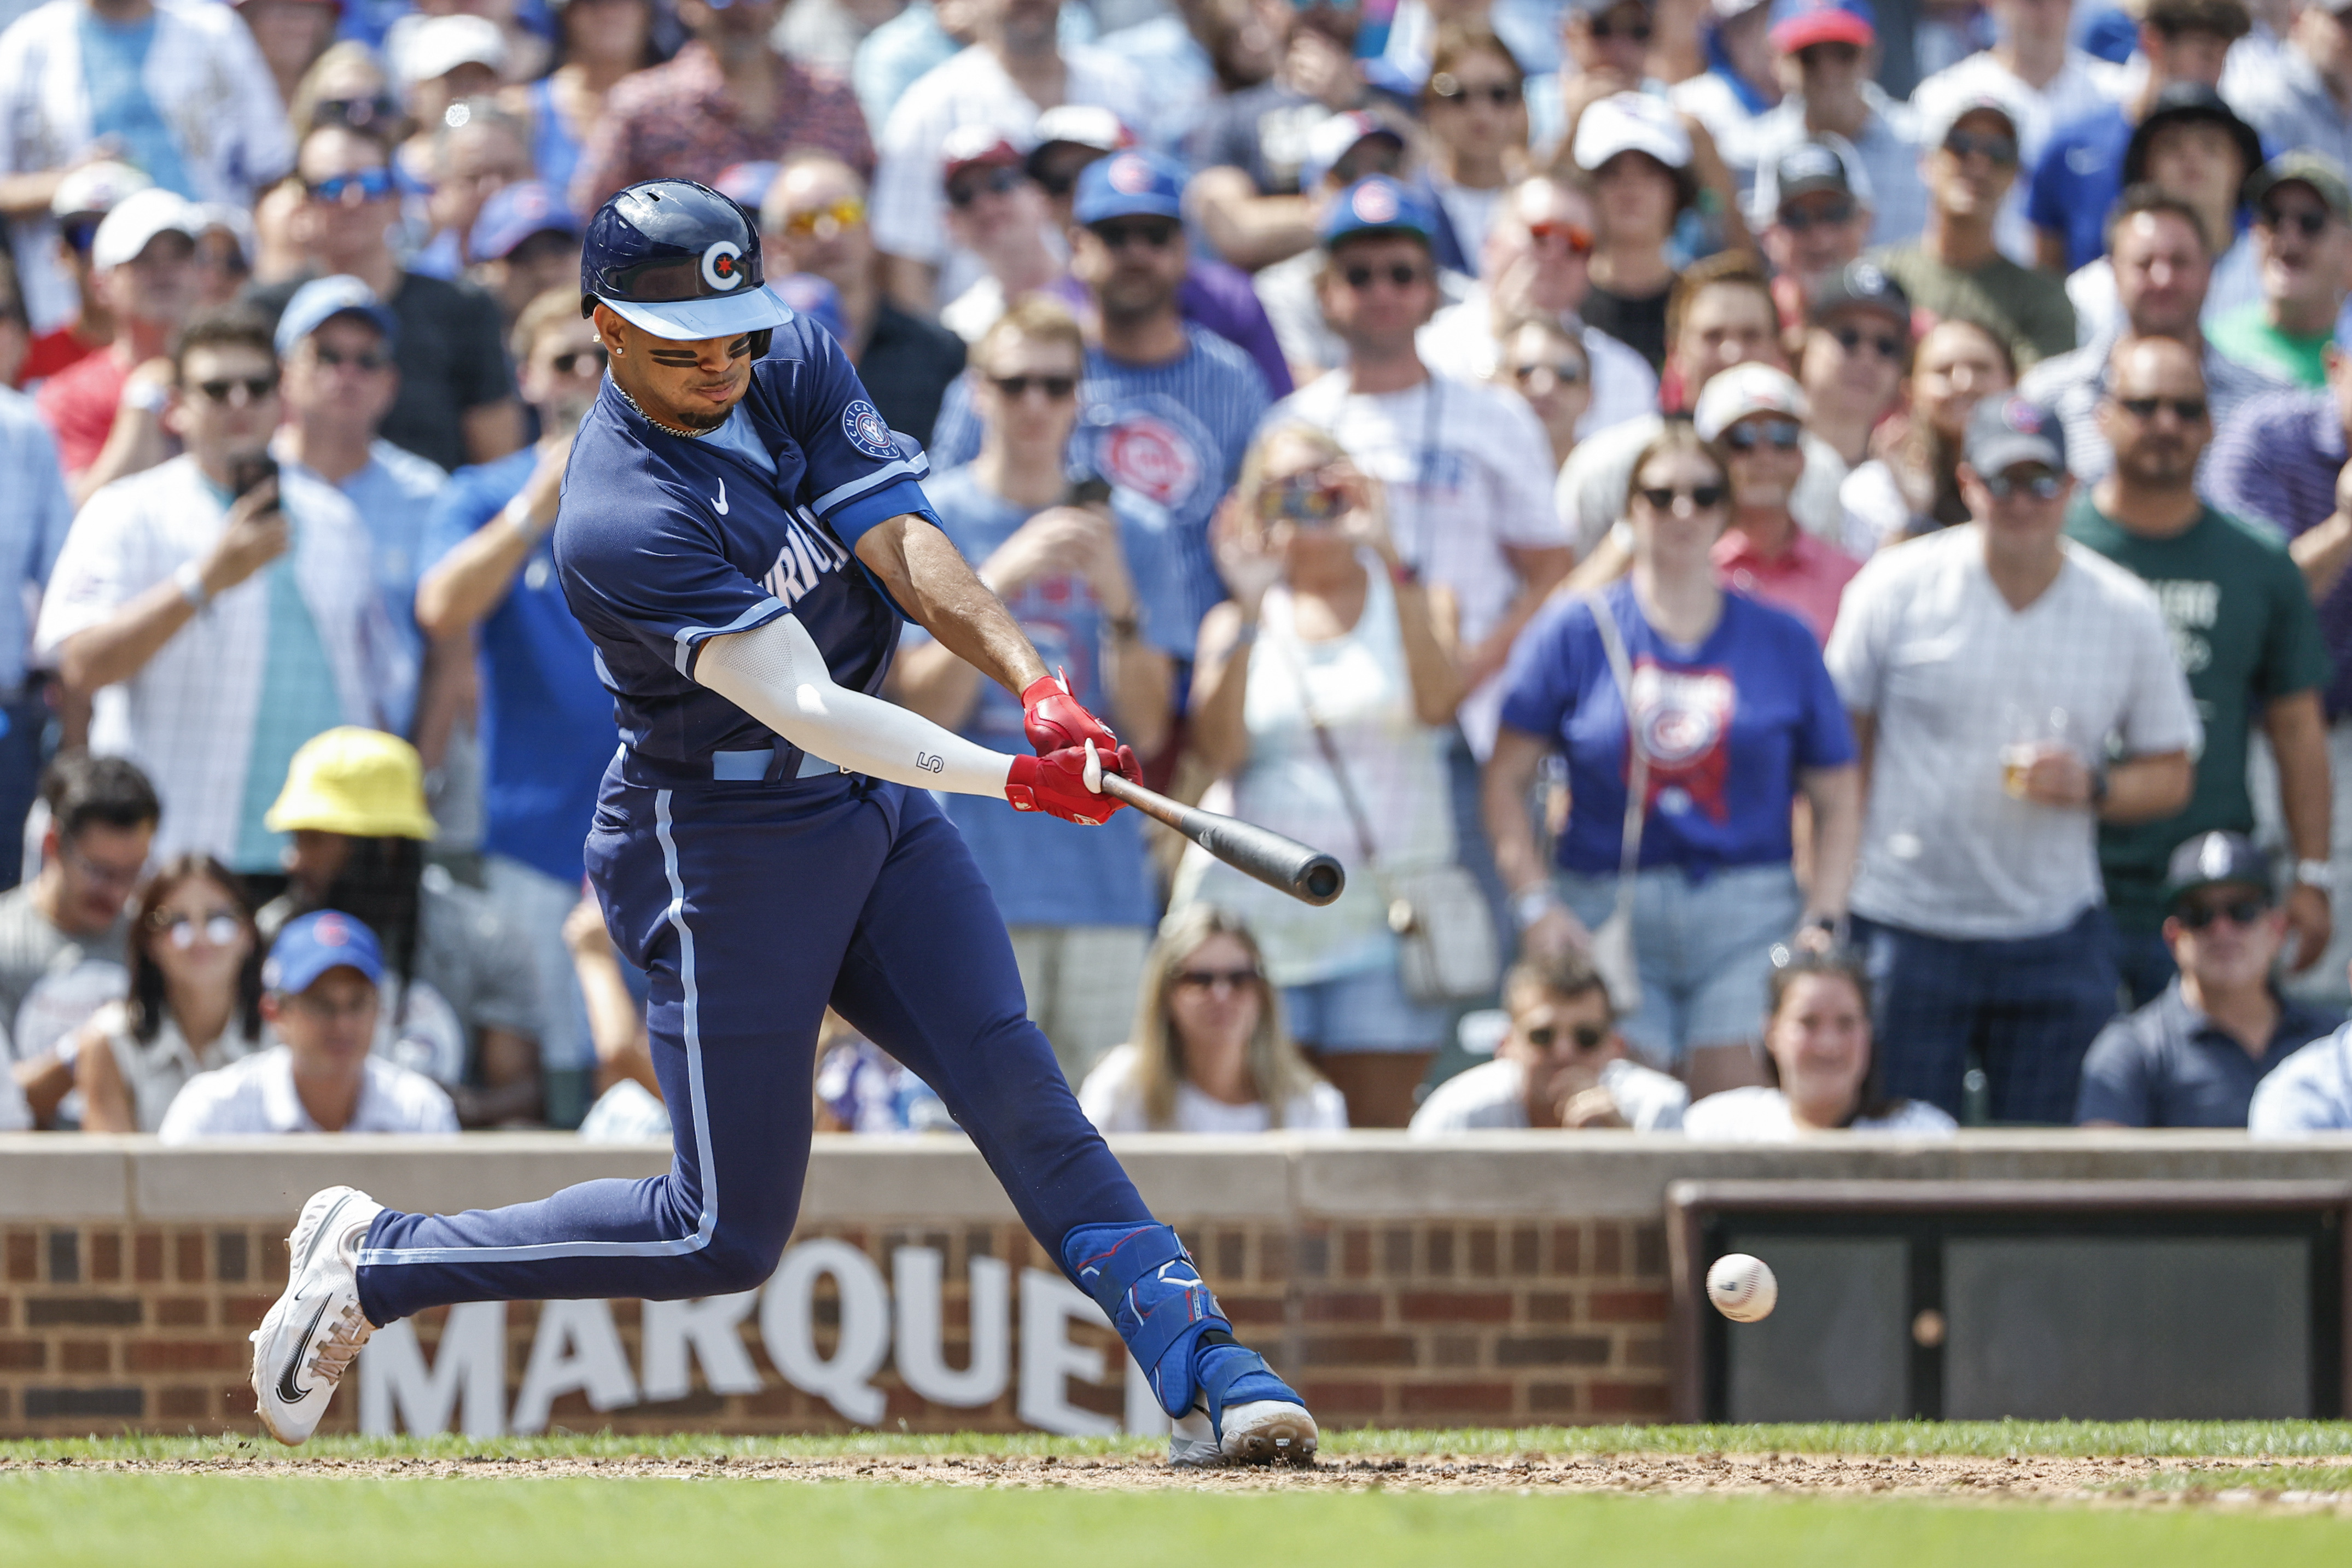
<point>720,506</point>
<point>808,553</point>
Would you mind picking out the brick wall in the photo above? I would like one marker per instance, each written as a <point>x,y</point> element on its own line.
<point>111,1327</point>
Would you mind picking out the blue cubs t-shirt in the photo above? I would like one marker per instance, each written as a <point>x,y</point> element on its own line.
<point>546,721</point>
<point>1728,725</point>
<point>1041,872</point>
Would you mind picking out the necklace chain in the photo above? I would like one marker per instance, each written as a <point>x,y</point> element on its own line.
<point>649,419</point>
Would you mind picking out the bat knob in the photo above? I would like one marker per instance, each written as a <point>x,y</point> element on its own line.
<point>1093,769</point>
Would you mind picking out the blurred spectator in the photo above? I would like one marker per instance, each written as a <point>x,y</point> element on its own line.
<point>2192,147</point>
<point>525,242</point>
<point>1166,409</point>
<point>1528,28</point>
<point>2081,175</point>
<point>62,934</point>
<point>629,1106</point>
<point>456,398</point>
<point>1638,157</point>
<point>1755,417</point>
<point>1249,198</point>
<point>321,1001</point>
<point>2300,105</point>
<point>2302,238</point>
<point>34,513</point>
<point>1097,589</point>
<point>84,198</point>
<point>349,87</point>
<point>2044,81</point>
<point>1812,214</point>
<point>105,407</point>
<point>290,36</point>
<point>1563,1064</point>
<point>442,61</point>
<point>194,1002</point>
<point>1208,1053</point>
<point>226,244</point>
<point>1852,356</point>
<point>2162,267</point>
<point>2192,1054</point>
<point>1015,72</point>
<point>996,212</point>
<point>1739,86</point>
<point>1319,701</point>
<point>216,634</point>
<point>727,98</point>
<point>2310,1091</point>
<point>336,341</point>
<point>814,219</point>
<point>172,88</point>
<point>467,1012</point>
<point>1192,54</point>
<point>1604,51</point>
<point>1954,267</point>
<point>1913,487</point>
<point>2241,621</point>
<point>1735,717</point>
<point>1476,115</point>
<point>478,150</point>
<point>1823,1069</point>
<point>862,1089</point>
<point>1463,504</point>
<point>1548,365</point>
<point>1068,138</point>
<point>547,726</point>
<point>1536,265</point>
<point>1833,46</point>
<point>1987,668</point>
<point>598,42</point>
<point>1340,150</point>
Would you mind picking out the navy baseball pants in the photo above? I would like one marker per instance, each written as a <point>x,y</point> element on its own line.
<point>754,905</point>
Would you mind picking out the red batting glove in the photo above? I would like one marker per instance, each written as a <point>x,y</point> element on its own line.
<point>1055,784</point>
<point>1055,721</point>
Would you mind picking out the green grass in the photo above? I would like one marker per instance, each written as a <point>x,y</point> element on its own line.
<point>64,1519</point>
<point>2253,1478</point>
<point>1983,1439</point>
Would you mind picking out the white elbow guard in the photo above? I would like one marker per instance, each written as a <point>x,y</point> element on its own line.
<point>776,673</point>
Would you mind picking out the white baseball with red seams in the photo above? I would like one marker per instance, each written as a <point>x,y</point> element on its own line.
<point>1742,1288</point>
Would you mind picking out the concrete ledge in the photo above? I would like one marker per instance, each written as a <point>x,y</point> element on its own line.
<point>46,1177</point>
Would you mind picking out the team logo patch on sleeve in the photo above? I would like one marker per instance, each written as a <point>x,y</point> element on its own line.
<point>861,422</point>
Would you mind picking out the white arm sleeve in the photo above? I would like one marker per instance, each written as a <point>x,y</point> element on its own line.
<point>775,674</point>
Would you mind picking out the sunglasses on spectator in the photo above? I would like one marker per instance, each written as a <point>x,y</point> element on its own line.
<point>1153,234</point>
<point>1830,53</point>
<point>180,930</point>
<point>1444,87</point>
<point>358,1006</point>
<point>1308,499</point>
<point>2312,222</point>
<point>2041,486</point>
<point>1576,236</point>
<point>1209,979</point>
<point>568,363</point>
<point>1567,373</point>
<point>829,220</point>
<point>334,359</point>
<point>1803,220</point>
<point>998,181</point>
<point>1885,344</point>
<point>1631,31</point>
<point>1402,274</point>
<point>79,234</point>
<point>372,184</point>
<point>104,876</point>
<point>2188,410</point>
<point>1702,497</point>
<point>1781,435</point>
<point>1587,1037</point>
<point>1055,388</point>
<point>2001,151</point>
<point>2237,912</point>
<point>356,113</point>
<point>236,391</point>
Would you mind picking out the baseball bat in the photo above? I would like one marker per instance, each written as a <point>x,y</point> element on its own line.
<point>1308,875</point>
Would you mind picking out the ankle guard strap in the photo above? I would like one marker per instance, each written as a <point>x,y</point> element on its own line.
<point>1146,1285</point>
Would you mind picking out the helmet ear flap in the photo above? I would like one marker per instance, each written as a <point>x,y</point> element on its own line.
<point>759,341</point>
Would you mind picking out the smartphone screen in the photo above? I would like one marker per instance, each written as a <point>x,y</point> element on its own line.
<point>248,470</point>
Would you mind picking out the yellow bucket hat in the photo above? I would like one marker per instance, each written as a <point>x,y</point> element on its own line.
<point>358,781</point>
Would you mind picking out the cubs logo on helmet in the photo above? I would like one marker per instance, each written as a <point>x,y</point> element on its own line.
<point>718,266</point>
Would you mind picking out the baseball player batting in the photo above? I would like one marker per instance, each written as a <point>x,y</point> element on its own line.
<point>742,534</point>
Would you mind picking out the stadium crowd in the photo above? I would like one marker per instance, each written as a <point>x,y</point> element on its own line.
<point>1798,554</point>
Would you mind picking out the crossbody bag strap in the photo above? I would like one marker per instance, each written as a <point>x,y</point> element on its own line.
<point>1620,670</point>
<point>1357,815</point>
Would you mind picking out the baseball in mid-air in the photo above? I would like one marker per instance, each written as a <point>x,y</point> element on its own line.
<point>1742,1288</point>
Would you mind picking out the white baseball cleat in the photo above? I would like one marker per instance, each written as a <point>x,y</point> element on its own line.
<point>306,1342</point>
<point>1258,1432</point>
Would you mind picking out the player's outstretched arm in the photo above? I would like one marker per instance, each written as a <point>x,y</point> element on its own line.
<point>776,673</point>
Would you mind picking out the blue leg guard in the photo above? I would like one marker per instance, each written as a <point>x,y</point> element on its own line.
<point>1146,1284</point>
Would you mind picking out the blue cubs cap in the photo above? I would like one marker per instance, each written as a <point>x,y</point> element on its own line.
<point>678,260</point>
<point>322,300</point>
<point>515,213</point>
<point>2006,431</point>
<point>1129,184</point>
<point>310,944</point>
<point>1378,204</point>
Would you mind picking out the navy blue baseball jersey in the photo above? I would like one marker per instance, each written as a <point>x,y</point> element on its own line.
<point>666,541</point>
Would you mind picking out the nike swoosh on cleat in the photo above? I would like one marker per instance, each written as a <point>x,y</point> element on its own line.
<point>286,1389</point>
<point>720,506</point>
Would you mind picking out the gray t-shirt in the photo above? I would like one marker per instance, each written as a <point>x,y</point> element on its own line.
<point>32,950</point>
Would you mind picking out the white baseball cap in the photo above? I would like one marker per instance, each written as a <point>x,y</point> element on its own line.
<point>1631,122</point>
<point>1944,110</point>
<point>136,220</point>
<point>439,45</point>
<point>1743,390</point>
<point>96,188</point>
